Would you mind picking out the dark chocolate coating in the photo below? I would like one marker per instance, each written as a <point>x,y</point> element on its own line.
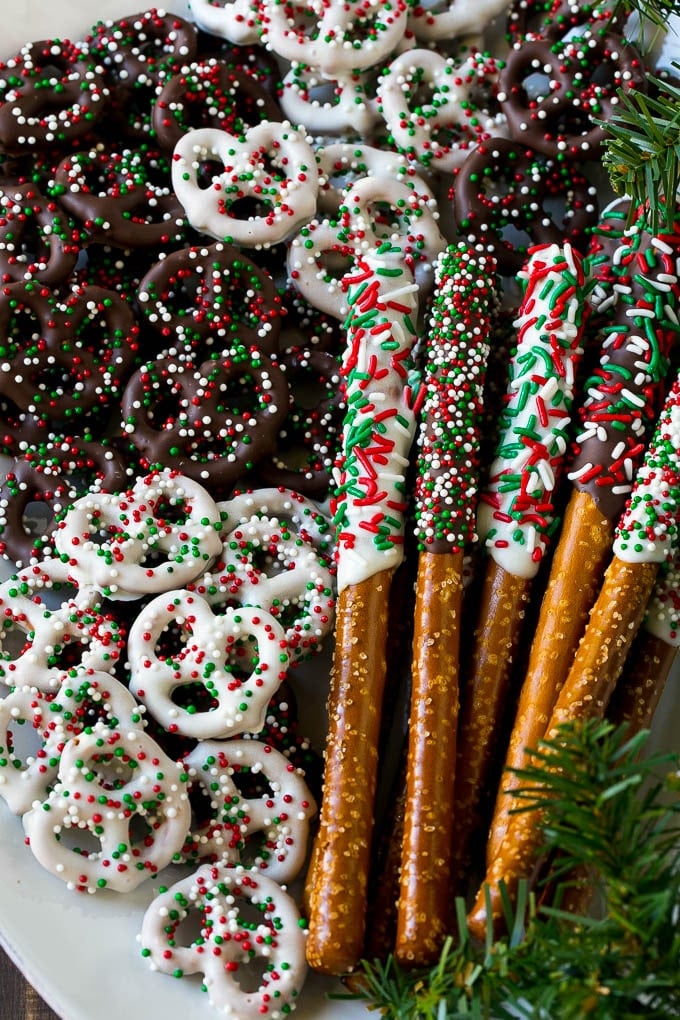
<point>503,187</point>
<point>210,94</point>
<point>211,421</point>
<point>212,293</point>
<point>580,79</point>
<point>56,473</point>
<point>59,109</point>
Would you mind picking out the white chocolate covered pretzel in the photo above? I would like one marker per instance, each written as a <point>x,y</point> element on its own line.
<point>272,166</point>
<point>50,627</point>
<point>35,727</point>
<point>117,815</point>
<point>277,555</point>
<point>222,899</point>
<point>329,107</point>
<point>204,675</point>
<point>317,265</point>
<point>160,534</point>
<point>341,164</point>
<point>332,36</point>
<point>439,133</point>
<point>266,824</point>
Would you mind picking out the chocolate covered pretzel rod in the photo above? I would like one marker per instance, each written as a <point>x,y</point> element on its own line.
<point>368,505</point>
<point>516,513</point>
<point>456,352</point>
<point>646,536</point>
<point>639,284</point>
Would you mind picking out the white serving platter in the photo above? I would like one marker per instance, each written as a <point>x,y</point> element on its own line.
<point>81,952</point>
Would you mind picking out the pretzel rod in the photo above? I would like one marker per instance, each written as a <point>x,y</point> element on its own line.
<point>516,513</point>
<point>382,908</point>
<point>654,652</point>
<point>646,535</point>
<point>456,351</point>
<point>368,506</point>
<point>640,283</point>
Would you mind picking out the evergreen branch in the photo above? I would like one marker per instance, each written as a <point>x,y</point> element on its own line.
<point>605,810</point>
<point>657,12</point>
<point>642,150</point>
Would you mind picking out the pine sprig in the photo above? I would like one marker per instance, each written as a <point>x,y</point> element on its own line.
<point>642,150</point>
<point>605,812</point>
<point>657,12</point>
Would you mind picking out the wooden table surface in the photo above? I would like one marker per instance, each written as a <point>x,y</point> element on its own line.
<point>18,1001</point>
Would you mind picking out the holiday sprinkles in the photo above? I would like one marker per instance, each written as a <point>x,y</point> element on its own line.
<point>256,264</point>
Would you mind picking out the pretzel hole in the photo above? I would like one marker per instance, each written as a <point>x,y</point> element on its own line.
<point>208,173</point>
<point>140,832</point>
<point>191,928</point>
<point>171,644</point>
<point>172,511</point>
<point>80,841</point>
<point>49,75</point>
<point>251,783</point>
<point>69,654</point>
<point>204,810</point>
<point>165,408</point>
<point>238,397</point>
<point>387,220</point>
<point>268,561</point>
<point>28,247</point>
<point>15,640</point>
<point>134,108</point>
<point>37,519</point>
<point>252,975</point>
<point>301,21</point>
<point>109,772</point>
<point>12,417</point>
<point>24,741</point>
<point>194,698</point>
<point>318,92</point>
<point>243,659</point>
<point>21,331</point>
<point>334,265</point>
<point>89,713</point>
<point>248,208</point>
<point>94,334</point>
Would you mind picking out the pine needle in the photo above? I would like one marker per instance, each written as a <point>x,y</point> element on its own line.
<point>605,811</point>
